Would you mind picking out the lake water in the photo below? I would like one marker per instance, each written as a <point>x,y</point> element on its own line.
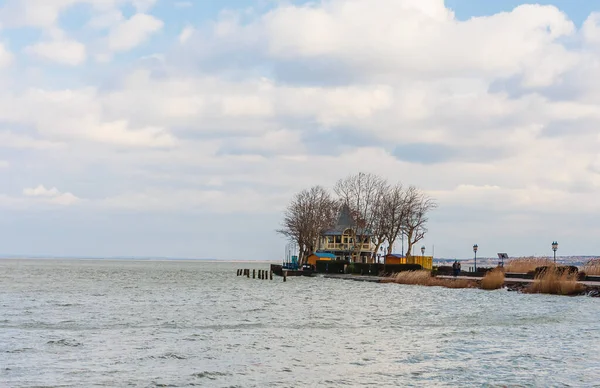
<point>83,323</point>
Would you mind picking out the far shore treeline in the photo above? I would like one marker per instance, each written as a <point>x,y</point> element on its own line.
<point>381,211</point>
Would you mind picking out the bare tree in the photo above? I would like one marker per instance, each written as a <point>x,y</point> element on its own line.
<point>395,214</point>
<point>309,213</point>
<point>362,193</point>
<point>418,206</point>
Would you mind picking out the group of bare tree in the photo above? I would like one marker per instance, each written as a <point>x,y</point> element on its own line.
<point>381,212</point>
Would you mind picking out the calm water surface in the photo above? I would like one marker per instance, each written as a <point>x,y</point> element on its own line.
<point>81,323</point>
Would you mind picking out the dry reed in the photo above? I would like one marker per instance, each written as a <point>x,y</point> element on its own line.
<point>553,282</point>
<point>527,264</point>
<point>424,278</point>
<point>493,280</point>
<point>592,267</point>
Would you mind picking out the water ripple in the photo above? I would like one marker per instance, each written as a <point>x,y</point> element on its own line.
<point>150,324</point>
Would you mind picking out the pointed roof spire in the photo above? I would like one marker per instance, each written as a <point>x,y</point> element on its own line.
<point>344,220</point>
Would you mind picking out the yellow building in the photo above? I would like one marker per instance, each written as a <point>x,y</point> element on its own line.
<point>424,261</point>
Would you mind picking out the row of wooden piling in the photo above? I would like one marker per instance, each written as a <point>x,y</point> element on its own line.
<point>263,274</point>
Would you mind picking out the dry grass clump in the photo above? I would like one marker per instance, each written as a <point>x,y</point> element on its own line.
<point>424,278</point>
<point>493,280</point>
<point>552,282</point>
<point>526,264</point>
<point>592,267</point>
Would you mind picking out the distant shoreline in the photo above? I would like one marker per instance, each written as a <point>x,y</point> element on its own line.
<point>13,258</point>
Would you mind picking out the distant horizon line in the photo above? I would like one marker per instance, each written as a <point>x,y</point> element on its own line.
<point>156,258</point>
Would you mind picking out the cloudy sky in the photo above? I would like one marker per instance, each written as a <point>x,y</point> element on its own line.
<point>182,128</point>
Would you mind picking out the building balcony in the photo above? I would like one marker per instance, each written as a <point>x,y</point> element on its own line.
<point>347,247</point>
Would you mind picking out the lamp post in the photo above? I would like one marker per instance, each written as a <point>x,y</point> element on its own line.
<point>554,248</point>
<point>475,247</point>
<point>422,251</point>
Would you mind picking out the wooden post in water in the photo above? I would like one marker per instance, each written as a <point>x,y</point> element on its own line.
<point>253,274</point>
<point>260,274</point>
<point>237,273</point>
<point>271,275</point>
<point>247,273</point>
<point>285,276</point>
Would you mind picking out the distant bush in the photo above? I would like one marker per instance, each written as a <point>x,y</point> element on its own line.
<point>526,264</point>
<point>493,280</point>
<point>424,278</point>
<point>592,267</point>
<point>556,283</point>
<point>570,269</point>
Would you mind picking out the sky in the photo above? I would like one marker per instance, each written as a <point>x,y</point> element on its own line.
<point>156,128</point>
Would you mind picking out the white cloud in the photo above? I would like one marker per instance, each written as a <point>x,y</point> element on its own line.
<point>496,116</point>
<point>591,28</point>
<point>6,57</point>
<point>186,34</point>
<point>12,140</point>
<point>45,13</point>
<point>66,52</point>
<point>133,32</point>
<point>41,191</point>
<point>51,196</point>
<point>65,115</point>
<point>143,5</point>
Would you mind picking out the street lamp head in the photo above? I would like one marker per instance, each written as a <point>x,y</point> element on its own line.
<point>554,246</point>
<point>475,247</point>
<point>423,249</point>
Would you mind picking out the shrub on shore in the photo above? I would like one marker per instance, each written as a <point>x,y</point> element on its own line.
<point>424,278</point>
<point>493,279</point>
<point>527,264</point>
<point>555,283</point>
<point>592,267</point>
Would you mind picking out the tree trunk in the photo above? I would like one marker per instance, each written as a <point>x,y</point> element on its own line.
<point>409,242</point>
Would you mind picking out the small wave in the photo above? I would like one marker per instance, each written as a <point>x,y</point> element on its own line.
<point>209,375</point>
<point>65,342</point>
<point>166,356</point>
<point>231,327</point>
<point>21,350</point>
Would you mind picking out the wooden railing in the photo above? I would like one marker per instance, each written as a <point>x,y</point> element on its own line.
<point>347,247</point>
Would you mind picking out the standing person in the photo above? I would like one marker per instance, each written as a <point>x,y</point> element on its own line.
<point>457,268</point>
<point>454,268</point>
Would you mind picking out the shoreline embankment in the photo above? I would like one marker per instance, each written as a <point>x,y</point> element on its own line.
<point>591,288</point>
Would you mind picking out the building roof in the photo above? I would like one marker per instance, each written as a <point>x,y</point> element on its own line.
<point>324,255</point>
<point>344,221</point>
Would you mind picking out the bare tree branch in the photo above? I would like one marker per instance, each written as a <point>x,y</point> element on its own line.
<point>418,206</point>
<point>309,213</point>
<point>362,193</point>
